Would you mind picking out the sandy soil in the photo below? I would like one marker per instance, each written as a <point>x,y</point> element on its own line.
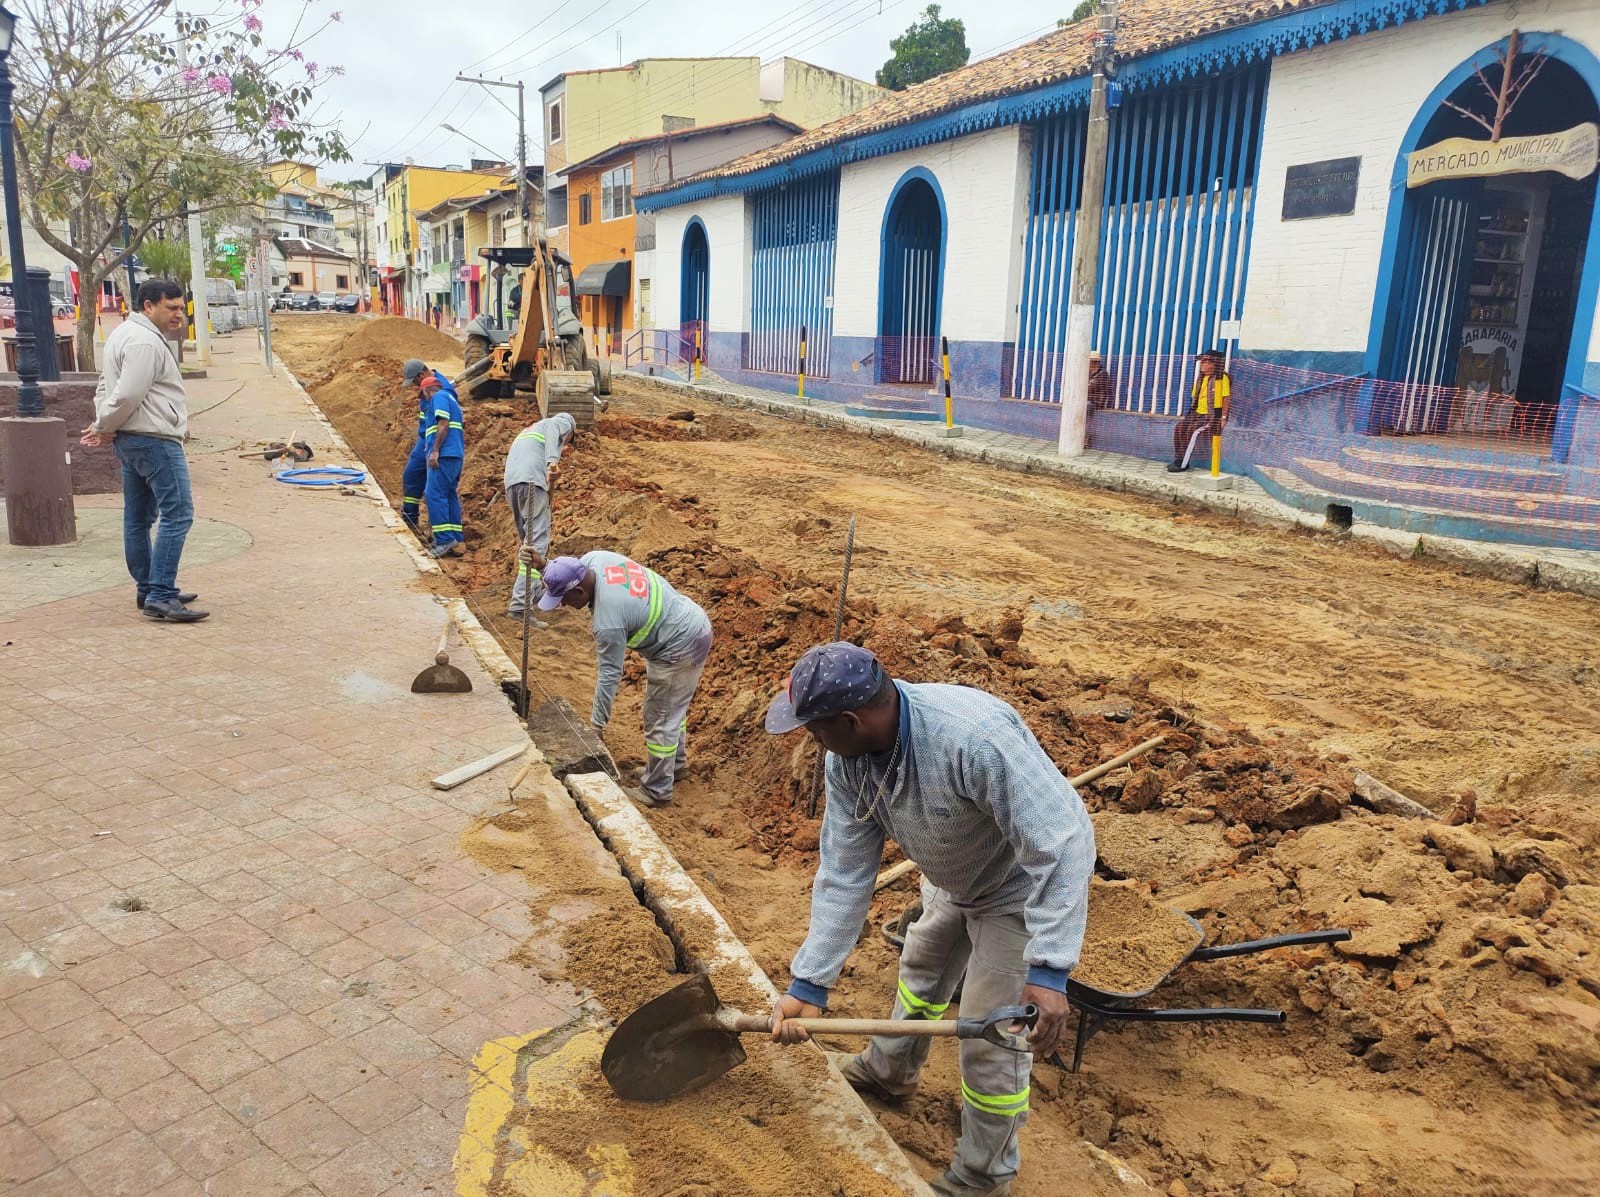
<point>1450,1047</point>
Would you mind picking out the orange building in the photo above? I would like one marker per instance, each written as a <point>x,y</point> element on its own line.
<point>612,248</point>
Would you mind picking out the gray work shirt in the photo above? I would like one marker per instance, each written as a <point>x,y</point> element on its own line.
<point>984,812</point>
<point>636,608</point>
<point>536,448</point>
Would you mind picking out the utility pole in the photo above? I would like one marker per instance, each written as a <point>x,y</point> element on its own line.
<point>522,148</point>
<point>1086,245</point>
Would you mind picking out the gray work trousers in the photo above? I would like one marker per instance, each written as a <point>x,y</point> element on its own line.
<point>530,507</point>
<point>940,946</point>
<point>669,687</point>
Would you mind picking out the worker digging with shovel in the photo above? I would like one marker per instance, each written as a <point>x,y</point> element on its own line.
<point>634,607</point>
<point>530,472</point>
<point>1006,849</point>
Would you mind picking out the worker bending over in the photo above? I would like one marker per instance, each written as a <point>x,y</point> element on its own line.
<point>634,607</point>
<point>442,445</point>
<point>530,472</point>
<point>1006,850</point>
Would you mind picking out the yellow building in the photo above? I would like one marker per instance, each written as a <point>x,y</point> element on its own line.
<point>585,112</point>
<point>408,191</point>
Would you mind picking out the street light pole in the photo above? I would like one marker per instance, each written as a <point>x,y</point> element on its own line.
<point>33,446</point>
<point>522,148</point>
<point>30,398</point>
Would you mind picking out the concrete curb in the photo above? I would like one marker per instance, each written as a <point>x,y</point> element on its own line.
<point>840,1115</point>
<point>1531,566</point>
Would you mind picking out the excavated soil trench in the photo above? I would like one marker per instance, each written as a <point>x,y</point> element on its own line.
<point>1451,1047</point>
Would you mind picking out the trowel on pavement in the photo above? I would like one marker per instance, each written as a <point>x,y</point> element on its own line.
<point>686,1038</point>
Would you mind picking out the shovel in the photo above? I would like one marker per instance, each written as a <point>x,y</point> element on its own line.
<point>441,677</point>
<point>686,1038</point>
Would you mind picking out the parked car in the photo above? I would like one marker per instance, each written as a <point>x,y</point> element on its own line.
<point>303,301</point>
<point>326,300</point>
<point>347,303</point>
<point>282,301</point>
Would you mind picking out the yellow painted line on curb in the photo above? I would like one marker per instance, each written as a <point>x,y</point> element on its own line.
<point>489,1106</point>
<point>505,1111</point>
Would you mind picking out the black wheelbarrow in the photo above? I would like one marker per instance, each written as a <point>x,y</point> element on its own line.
<point>1097,1007</point>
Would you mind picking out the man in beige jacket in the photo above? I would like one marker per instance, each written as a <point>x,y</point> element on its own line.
<point>141,411</point>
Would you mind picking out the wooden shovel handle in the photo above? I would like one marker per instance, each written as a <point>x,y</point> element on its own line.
<point>761,1024</point>
<point>442,657</point>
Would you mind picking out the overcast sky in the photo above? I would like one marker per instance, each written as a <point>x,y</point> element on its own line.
<point>400,56</point>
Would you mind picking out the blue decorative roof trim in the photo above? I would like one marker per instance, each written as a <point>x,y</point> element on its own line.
<point>1210,54</point>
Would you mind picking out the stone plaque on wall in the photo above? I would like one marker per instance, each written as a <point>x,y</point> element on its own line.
<point>1314,189</point>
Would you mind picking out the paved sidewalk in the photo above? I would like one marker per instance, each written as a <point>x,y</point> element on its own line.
<point>242,951</point>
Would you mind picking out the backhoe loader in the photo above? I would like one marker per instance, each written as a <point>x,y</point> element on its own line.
<point>546,353</point>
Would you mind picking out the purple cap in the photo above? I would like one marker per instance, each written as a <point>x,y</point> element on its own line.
<point>560,576</point>
<point>830,678</point>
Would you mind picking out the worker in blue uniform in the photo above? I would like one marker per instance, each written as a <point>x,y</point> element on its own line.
<point>442,441</point>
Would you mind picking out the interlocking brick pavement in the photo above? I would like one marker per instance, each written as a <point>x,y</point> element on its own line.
<point>241,950</point>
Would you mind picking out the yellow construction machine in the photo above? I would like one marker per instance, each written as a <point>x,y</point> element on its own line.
<point>545,353</point>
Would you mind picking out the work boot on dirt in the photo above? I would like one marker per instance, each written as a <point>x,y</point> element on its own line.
<point>518,613</point>
<point>173,612</point>
<point>645,798</point>
<point>185,599</point>
<point>949,1185</point>
<point>454,548</point>
<point>863,1081</point>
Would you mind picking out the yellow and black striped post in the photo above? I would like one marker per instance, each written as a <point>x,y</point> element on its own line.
<point>944,364</point>
<point>699,353</point>
<point>1216,437</point>
<point>189,307</point>
<point>800,381</point>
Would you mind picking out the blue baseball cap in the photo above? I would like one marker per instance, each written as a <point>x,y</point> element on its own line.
<point>560,576</point>
<point>828,679</point>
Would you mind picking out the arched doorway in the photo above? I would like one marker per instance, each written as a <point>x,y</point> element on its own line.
<point>1486,304</point>
<point>694,301</point>
<point>911,280</point>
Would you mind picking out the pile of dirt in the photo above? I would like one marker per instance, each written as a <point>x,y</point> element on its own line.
<point>398,338</point>
<point>1131,943</point>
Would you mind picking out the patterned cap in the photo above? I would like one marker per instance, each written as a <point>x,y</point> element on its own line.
<point>560,576</point>
<point>830,678</point>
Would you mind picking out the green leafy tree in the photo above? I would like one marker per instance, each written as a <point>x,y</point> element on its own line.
<point>931,46</point>
<point>1085,10</point>
<point>127,112</point>
<point>170,259</point>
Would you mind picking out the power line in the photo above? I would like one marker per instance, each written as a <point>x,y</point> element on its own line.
<point>526,33</point>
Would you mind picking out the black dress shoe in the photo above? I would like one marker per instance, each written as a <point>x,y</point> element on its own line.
<point>182,598</point>
<point>174,612</point>
<point>1175,468</point>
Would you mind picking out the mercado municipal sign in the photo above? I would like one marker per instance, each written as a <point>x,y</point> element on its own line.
<point>1573,153</point>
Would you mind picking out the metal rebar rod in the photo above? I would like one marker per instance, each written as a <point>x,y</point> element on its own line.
<point>838,632</point>
<point>527,593</point>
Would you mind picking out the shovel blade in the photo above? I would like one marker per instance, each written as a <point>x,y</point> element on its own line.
<point>441,679</point>
<point>670,1046</point>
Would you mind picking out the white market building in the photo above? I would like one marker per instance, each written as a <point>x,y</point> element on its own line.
<point>1433,344</point>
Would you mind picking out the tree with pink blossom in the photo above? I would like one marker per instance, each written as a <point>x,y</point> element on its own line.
<point>124,108</point>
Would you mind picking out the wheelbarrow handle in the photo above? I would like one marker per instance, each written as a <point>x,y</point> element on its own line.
<point>1249,946</point>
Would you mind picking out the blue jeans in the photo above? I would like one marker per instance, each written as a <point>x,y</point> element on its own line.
<point>155,482</point>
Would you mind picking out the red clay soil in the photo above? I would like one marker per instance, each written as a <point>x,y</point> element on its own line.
<point>1451,1047</point>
